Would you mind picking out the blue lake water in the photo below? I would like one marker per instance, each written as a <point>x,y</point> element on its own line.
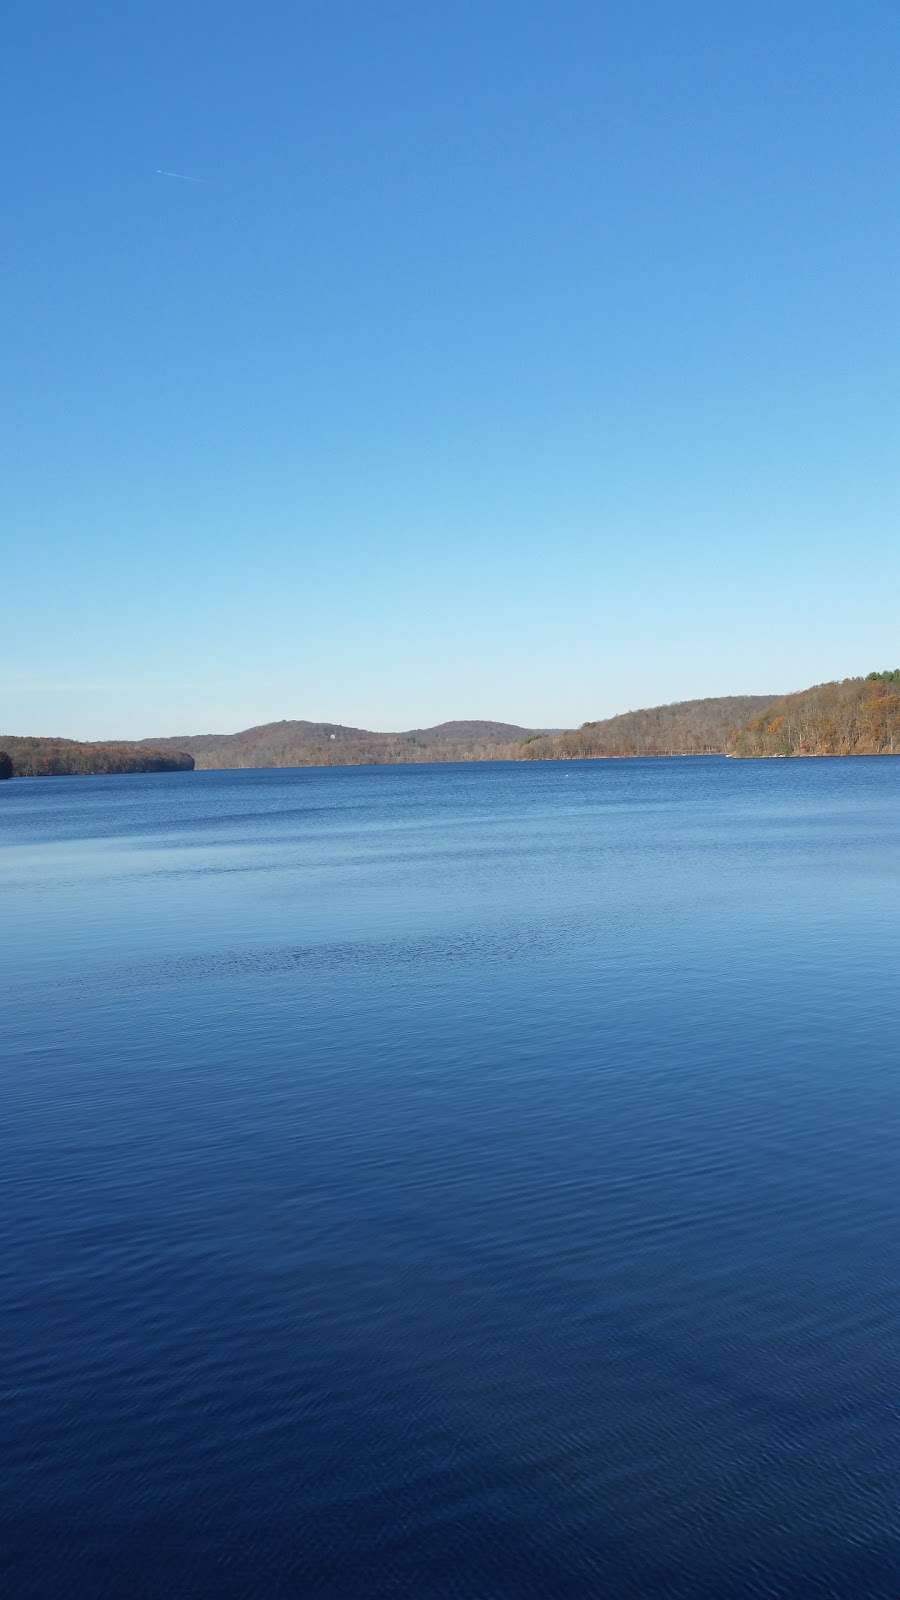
<point>453,1181</point>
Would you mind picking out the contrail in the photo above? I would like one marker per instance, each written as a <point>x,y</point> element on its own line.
<point>162,173</point>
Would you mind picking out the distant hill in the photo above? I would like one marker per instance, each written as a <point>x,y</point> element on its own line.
<point>853,717</point>
<point>685,728</point>
<point>52,758</point>
<point>859,716</point>
<point>689,727</point>
<point>330,744</point>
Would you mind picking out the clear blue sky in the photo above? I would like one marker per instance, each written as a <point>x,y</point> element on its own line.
<point>514,360</point>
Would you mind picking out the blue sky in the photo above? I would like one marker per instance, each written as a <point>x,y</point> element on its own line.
<point>519,360</point>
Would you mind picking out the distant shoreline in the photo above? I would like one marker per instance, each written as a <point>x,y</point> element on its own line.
<point>853,716</point>
<point>510,761</point>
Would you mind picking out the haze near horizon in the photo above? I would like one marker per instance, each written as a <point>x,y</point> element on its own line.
<point>517,363</point>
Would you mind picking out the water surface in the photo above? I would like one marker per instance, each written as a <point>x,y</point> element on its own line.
<point>456,1181</point>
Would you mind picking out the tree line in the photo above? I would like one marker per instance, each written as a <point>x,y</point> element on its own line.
<point>50,758</point>
<point>854,717</point>
<point>857,716</point>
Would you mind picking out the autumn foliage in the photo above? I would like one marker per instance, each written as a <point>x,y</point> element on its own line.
<point>49,758</point>
<point>854,717</point>
<point>858,716</point>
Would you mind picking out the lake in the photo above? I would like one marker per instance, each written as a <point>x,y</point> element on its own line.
<point>452,1181</point>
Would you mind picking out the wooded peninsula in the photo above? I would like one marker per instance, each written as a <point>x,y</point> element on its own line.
<point>855,716</point>
<point>36,757</point>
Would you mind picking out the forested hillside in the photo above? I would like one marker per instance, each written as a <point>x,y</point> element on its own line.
<point>330,744</point>
<point>859,716</point>
<point>686,728</point>
<point>854,717</point>
<point>691,727</point>
<point>51,758</point>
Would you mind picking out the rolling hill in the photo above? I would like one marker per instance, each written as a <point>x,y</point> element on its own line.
<point>330,744</point>
<point>853,717</point>
<point>685,728</point>
<point>857,716</point>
